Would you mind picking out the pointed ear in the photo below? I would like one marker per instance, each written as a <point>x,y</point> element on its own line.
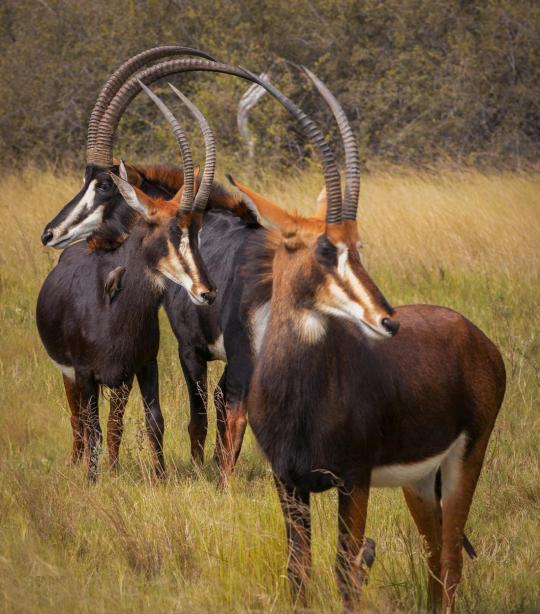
<point>322,203</point>
<point>122,171</point>
<point>135,198</point>
<point>113,282</point>
<point>178,196</point>
<point>130,172</point>
<point>268,214</point>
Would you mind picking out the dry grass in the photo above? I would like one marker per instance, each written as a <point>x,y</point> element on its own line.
<point>467,241</point>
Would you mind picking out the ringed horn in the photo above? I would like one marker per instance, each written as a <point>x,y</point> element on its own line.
<point>119,77</point>
<point>128,91</point>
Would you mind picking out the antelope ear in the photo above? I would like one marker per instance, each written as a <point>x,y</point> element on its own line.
<point>113,282</point>
<point>322,203</point>
<point>178,196</point>
<point>268,214</point>
<point>128,172</point>
<point>122,171</point>
<point>135,198</point>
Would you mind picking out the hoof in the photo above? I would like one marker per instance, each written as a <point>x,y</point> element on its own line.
<point>368,552</point>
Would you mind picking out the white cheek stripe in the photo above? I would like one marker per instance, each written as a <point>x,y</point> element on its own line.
<point>358,288</point>
<point>342,261</point>
<point>187,254</point>
<point>84,204</point>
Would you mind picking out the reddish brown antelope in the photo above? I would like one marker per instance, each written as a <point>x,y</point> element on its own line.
<point>334,401</point>
<point>97,338</point>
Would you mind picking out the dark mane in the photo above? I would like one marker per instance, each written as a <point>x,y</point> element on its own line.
<point>256,272</point>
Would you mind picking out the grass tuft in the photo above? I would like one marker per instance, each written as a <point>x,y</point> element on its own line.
<point>465,240</point>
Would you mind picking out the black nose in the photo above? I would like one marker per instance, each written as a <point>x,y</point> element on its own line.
<point>209,297</point>
<point>46,236</point>
<point>392,326</point>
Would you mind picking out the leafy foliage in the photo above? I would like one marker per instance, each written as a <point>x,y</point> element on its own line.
<point>422,81</point>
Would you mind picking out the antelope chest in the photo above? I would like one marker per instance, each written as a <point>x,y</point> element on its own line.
<point>217,349</point>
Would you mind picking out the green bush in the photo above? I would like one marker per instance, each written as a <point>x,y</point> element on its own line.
<point>422,81</point>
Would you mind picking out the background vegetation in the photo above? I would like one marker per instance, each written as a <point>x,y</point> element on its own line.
<point>423,81</point>
<point>465,240</point>
<point>444,84</point>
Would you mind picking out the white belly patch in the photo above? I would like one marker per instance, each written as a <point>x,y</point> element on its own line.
<point>69,372</point>
<point>391,476</point>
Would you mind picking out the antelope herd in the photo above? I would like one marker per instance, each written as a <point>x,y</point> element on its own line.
<point>341,390</point>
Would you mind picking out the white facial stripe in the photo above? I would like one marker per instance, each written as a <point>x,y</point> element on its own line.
<point>357,287</point>
<point>342,260</point>
<point>85,204</point>
<point>344,307</point>
<point>172,268</point>
<point>82,230</point>
<point>185,250</point>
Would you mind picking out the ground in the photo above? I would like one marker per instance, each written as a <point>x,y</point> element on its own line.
<point>460,239</point>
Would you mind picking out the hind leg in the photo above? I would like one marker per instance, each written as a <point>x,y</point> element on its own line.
<point>77,425</point>
<point>426,511</point>
<point>459,479</point>
<point>115,425</point>
<point>195,374</point>
<point>219,403</point>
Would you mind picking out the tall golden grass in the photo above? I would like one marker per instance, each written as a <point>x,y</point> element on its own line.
<point>465,240</point>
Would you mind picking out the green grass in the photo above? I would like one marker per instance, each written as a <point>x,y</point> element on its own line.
<point>467,241</point>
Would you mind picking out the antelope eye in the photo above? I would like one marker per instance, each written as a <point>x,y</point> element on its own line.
<point>326,251</point>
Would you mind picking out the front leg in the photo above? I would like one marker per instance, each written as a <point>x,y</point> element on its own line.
<point>148,379</point>
<point>194,367</point>
<point>296,511</point>
<point>353,554</point>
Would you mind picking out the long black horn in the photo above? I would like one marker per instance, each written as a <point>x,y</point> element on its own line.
<point>131,88</point>
<point>120,76</point>
<point>330,170</point>
<point>352,157</point>
<point>210,153</point>
<point>187,161</point>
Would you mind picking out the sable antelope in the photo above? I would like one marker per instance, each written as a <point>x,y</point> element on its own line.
<point>104,338</point>
<point>97,199</point>
<point>221,331</point>
<point>334,401</point>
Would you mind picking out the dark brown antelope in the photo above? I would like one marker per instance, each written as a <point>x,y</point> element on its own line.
<point>336,401</point>
<point>98,336</point>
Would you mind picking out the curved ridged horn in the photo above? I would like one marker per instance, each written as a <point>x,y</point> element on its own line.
<point>120,76</point>
<point>185,150</point>
<point>128,91</point>
<point>332,178</point>
<point>210,153</point>
<point>131,88</point>
<point>352,157</point>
